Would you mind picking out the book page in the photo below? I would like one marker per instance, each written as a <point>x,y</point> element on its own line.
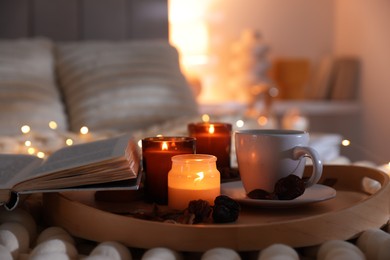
<point>15,168</point>
<point>84,154</point>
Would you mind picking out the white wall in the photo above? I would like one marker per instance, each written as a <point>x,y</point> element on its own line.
<point>362,28</point>
<point>293,28</point>
<point>307,28</point>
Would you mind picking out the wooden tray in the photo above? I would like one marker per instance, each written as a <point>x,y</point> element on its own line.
<point>352,211</point>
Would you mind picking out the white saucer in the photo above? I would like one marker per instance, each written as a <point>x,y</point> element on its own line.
<point>315,193</point>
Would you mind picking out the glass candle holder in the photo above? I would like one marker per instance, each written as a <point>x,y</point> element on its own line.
<point>192,177</point>
<point>156,160</point>
<point>214,139</point>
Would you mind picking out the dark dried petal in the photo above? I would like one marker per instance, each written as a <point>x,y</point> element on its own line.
<point>201,209</point>
<point>186,218</point>
<point>289,188</point>
<point>226,200</point>
<point>225,209</point>
<point>261,195</point>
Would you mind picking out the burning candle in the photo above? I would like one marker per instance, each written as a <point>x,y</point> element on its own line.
<point>214,139</point>
<point>156,158</point>
<point>192,177</point>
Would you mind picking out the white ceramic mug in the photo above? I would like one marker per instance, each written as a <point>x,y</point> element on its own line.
<point>265,156</point>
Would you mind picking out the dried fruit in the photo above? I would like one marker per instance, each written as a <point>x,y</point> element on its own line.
<point>289,188</point>
<point>261,195</point>
<point>201,209</point>
<point>225,209</point>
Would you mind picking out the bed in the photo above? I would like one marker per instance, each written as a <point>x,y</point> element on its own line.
<point>104,64</point>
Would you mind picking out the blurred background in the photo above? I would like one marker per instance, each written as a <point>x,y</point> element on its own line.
<point>301,37</point>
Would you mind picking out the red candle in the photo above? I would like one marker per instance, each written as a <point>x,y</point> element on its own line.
<point>156,160</point>
<point>214,139</point>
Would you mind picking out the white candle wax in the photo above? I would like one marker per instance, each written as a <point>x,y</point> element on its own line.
<point>192,177</point>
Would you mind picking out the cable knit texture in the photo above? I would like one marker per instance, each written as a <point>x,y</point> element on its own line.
<point>122,85</point>
<point>28,92</point>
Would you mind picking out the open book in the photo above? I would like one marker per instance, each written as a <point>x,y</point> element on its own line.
<point>106,164</point>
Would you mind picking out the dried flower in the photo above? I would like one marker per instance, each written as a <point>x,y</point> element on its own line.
<point>225,209</point>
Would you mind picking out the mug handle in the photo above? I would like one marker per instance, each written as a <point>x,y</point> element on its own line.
<point>299,152</point>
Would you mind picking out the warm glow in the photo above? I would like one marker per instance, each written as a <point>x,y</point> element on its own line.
<point>346,142</point>
<point>164,146</point>
<point>192,177</point>
<point>31,150</point>
<point>69,142</point>
<point>84,130</point>
<point>41,154</point>
<point>205,118</point>
<point>140,143</point>
<point>188,31</point>
<point>27,143</point>
<point>25,129</point>
<point>211,129</point>
<point>239,123</point>
<point>53,125</point>
<point>262,120</point>
<point>200,176</point>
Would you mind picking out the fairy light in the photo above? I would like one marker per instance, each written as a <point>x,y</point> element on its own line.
<point>41,154</point>
<point>367,153</point>
<point>262,120</point>
<point>53,125</point>
<point>240,123</point>
<point>27,143</point>
<point>31,150</point>
<point>25,129</point>
<point>69,142</point>
<point>205,118</point>
<point>346,142</point>
<point>84,130</point>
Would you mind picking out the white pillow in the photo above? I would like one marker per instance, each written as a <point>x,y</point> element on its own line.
<point>28,93</point>
<point>123,85</point>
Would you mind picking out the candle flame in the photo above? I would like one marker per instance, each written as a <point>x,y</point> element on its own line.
<point>200,176</point>
<point>211,129</point>
<point>164,146</point>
